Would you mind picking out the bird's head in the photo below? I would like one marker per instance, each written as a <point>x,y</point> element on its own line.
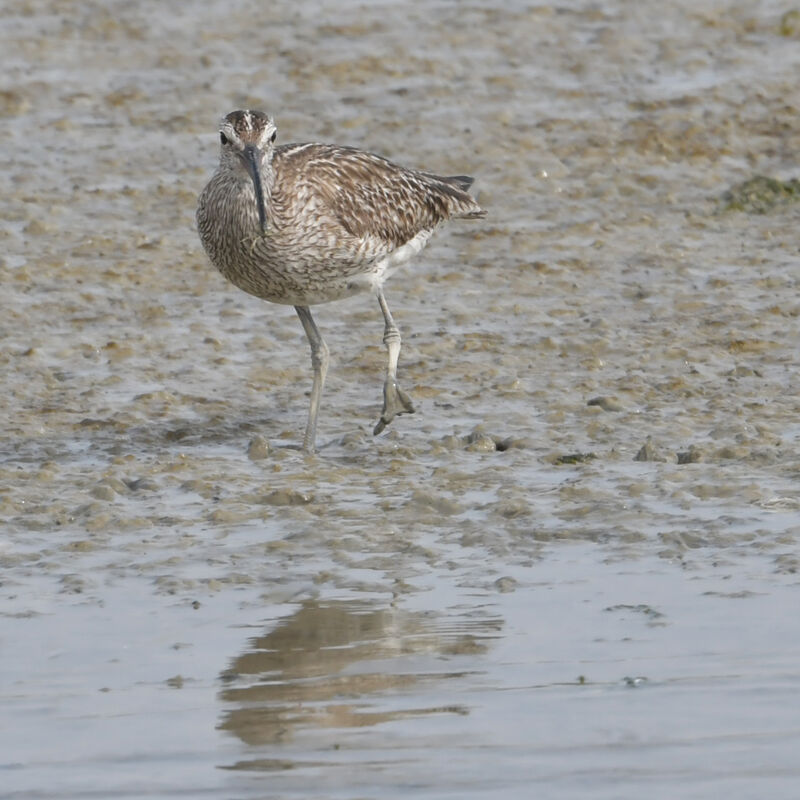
<point>247,139</point>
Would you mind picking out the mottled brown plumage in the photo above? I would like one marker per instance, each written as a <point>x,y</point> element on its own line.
<point>302,224</point>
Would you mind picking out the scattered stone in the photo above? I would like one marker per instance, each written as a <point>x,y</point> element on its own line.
<point>176,434</point>
<point>606,403</point>
<point>691,456</point>
<point>258,448</point>
<point>435,502</point>
<point>575,458</point>
<point>749,345</point>
<point>286,497</point>
<point>649,452</point>
<point>480,443</point>
<point>654,618</point>
<point>731,452</point>
<point>505,584</point>
<point>170,584</point>
<point>141,484</point>
<point>82,546</point>
<point>103,492</point>
<point>634,683</point>
<point>451,442</point>
<point>95,424</point>
<point>202,487</point>
<point>354,439</point>
<point>514,443</point>
<point>73,584</point>
<point>513,507</point>
<point>641,608</point>
<point>787,563</point>
<point>744,372</point>
<point>12,104</point>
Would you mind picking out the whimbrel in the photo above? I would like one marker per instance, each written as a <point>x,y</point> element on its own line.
<point>302,224</point>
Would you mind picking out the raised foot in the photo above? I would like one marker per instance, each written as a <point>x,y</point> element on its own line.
<point>395,402</point>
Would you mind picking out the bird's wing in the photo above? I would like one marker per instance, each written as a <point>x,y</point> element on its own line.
<point>376,199</point>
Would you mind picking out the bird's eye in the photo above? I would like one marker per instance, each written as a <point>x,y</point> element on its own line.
<point>274,134</point>
<point>223,138</point>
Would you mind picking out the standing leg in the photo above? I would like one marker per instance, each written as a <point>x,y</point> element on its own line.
<point>319,362</point>
<point>395,400</point>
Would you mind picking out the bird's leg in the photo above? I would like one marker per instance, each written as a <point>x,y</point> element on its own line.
<point>319,362</point>
<point>395,400</point>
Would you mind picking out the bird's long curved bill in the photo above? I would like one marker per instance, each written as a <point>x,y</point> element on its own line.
<point>252,159</point>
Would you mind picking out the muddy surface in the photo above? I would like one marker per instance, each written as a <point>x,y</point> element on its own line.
<point>574,568</point>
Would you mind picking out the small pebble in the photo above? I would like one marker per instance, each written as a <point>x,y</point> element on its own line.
<point>649,452</point>
<point>286,497</point>
<point>505,584</point>
<point>606,403</point>
<point>634,683</point>
<point>692,456</point>
<point>103,492</point>
<point>258,448</point>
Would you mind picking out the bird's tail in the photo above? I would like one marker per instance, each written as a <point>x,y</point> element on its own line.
<point>462,203</point>
<point>463,182</point>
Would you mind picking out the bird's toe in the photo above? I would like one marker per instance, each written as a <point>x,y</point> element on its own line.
<point>395,403</point>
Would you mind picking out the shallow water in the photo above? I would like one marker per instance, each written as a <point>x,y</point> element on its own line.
<point>494,595</point>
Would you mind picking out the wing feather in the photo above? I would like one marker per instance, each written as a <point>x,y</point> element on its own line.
<point>374,198</point>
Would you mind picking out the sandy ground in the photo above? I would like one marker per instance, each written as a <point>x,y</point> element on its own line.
<point>597,499</point>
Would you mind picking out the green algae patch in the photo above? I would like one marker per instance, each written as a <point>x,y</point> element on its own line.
<point>575,458</point>
<point>790,23</point>
<point>759,195</point>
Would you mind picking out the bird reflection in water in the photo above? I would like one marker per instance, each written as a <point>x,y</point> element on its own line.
<point>327,665</point>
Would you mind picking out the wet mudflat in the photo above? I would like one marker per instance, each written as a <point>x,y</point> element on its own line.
<point>574,568</point>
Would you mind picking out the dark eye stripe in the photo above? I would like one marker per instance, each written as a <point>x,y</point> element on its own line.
<point>223,138</point>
